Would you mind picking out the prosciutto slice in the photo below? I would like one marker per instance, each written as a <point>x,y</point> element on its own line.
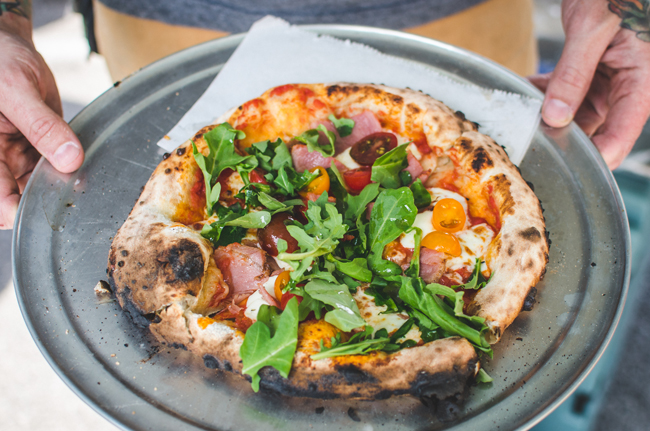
<point>414,168</point>
<point>432,265</point>
<point>365,124</point>
<point>244,269</point>
<point>304,160</point>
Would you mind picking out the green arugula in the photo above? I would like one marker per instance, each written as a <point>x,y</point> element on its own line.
<point>483,377</point>
<point>425,299</point>
<point>414,268</point>
<point>357,268</point>
<point>311,138</point>
<point>234,222</point>
<point>261,348</point>
<point>421,196</point>
<point>221,143</point>
<point>271,155</point>
<point>393,213</point>
<point>386,168</point>
<point>289,182</point>
<point>345,315</point>
<point>343,125</point>
<point>477,281</point>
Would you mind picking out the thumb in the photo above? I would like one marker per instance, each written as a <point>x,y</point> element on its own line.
<point>43,128</point>
<point>589,30</point>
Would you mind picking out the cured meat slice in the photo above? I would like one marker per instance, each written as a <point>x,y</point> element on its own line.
<point>304,160</point>
<point>432,265</point>
<point>365,124</point>
<point>414,168</point>
<point>244,269</point>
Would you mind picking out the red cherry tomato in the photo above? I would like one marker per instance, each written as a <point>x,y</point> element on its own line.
<point>286,297</point>
<point>275,230</point>
<point>357,179</point>
<point>256,177</point>
<point>372,147</point>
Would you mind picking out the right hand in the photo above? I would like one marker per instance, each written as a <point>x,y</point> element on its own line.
<point>30,123</point>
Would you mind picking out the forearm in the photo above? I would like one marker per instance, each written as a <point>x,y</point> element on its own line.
<point>635,16</point>
<point>16,18</point>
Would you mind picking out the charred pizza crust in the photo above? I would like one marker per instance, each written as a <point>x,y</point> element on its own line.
<point>160,267</point>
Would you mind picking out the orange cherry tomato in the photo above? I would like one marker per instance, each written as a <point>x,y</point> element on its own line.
<point>319,184</point>
<point>443,242</point>
<point>280,283</point>
<point>448,216</point>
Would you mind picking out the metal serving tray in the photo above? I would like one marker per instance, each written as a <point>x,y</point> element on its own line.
<point>66,223</point>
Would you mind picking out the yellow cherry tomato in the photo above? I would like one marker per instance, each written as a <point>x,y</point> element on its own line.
<point>443,242</point>
<point>319,184</point>
<point>448,215</point>
<point>280,283</point>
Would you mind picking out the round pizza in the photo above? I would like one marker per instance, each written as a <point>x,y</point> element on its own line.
<point>341,240</point>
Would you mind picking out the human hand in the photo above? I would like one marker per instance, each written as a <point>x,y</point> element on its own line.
<point>602,79</point>
<point>30,122</point>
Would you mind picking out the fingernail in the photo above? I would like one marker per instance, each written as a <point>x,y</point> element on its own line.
<point>557,113</point>
<point>65,155</point>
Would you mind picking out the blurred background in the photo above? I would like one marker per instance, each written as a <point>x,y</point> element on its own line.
<point>615,396</point>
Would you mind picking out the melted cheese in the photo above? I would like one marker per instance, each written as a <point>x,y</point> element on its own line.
<point>347,160</point>
<point>473,243</point>
<point>256,300</point>
<point>372,314</point>
<point>423,221</point>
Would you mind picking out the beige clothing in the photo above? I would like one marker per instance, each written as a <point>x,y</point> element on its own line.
<point>501,30</point>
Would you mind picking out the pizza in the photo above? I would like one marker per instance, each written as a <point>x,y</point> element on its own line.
<point>334,240</point>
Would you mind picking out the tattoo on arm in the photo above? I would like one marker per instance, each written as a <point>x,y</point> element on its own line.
<point>635,16</point>
<point>18,7</point>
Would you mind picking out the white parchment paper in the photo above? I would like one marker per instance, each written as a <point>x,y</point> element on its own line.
<point>275,53</point>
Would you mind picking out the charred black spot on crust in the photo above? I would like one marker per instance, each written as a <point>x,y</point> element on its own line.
<point>168,171</point>
<point>446,410</point>
<point>120,263</point>
<point>180,151</point>
<point>460,115</point>
<point>185,259</point>
<point>178,346</point>
<point>319,410</point>
<point>353,374</point>
<point>465,144</point>
<point>548,239</point>
<point>124,253</point>
<point>481,160</point>
<point>529,264</point>
<point>312,386</point>
<point>413,108</point>
<point>352,414</point>
<point>227,366</point>
<point>532,187</point>
<point>398,100</point>
<point>441,385</point>
<point>531,234</point>
<point>511,250</point>
<point>130,308</point>
<point>166,156</point>
<point>529,302</point>
<point>210,362</point>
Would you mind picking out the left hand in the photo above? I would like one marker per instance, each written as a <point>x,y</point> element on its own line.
<point>602,80</point>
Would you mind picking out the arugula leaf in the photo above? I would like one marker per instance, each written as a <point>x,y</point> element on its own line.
<point>477,281</point>
<point>483,377</point>
<point>289,181</point>
<point>345,315</point>
<point>343,125</point>
<point>232,224</point>
<point>357,269</point>
<point>360,343</point>
<point>222,155</point>
<point>271,155</point>
<point>311,138</point>
<point>414,268</point>
<point>270,316</point>
<point>357,204</point>
<point>392,214</point>
<point>337,188</point>
<point>385,293</point>
<point>252,220</point>
<point>405,177</point>
<point>425,299</point>
<point>318,237</point>
<point>421,196</point>
<point>275,206</point>
<point>261,349</point>
<point>386,168</point>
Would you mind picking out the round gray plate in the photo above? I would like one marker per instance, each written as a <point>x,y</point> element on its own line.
<point>66,223</point>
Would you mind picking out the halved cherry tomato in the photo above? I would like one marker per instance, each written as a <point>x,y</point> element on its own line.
<point>448,215</point>
<point>372,147</point>
<point>280,283</point>
<point>319,184</point>
<point>443,242</point>
<point>256,177</point>
<point>286,297</point>
<point>357,179</point>
<point>274,231</point>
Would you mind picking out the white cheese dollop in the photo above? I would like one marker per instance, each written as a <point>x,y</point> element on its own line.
<point>423,221</point>
<point>372,314</point>
<point>256,300</point>
<point>347,160</point>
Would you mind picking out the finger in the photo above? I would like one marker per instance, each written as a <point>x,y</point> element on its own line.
<point>43,128</point>
<point>593,110</point>
<point>627,115</point>
<point>22,181</point>
<point>540,81</point>
<point>9,197</point>
<point>589,29</point>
